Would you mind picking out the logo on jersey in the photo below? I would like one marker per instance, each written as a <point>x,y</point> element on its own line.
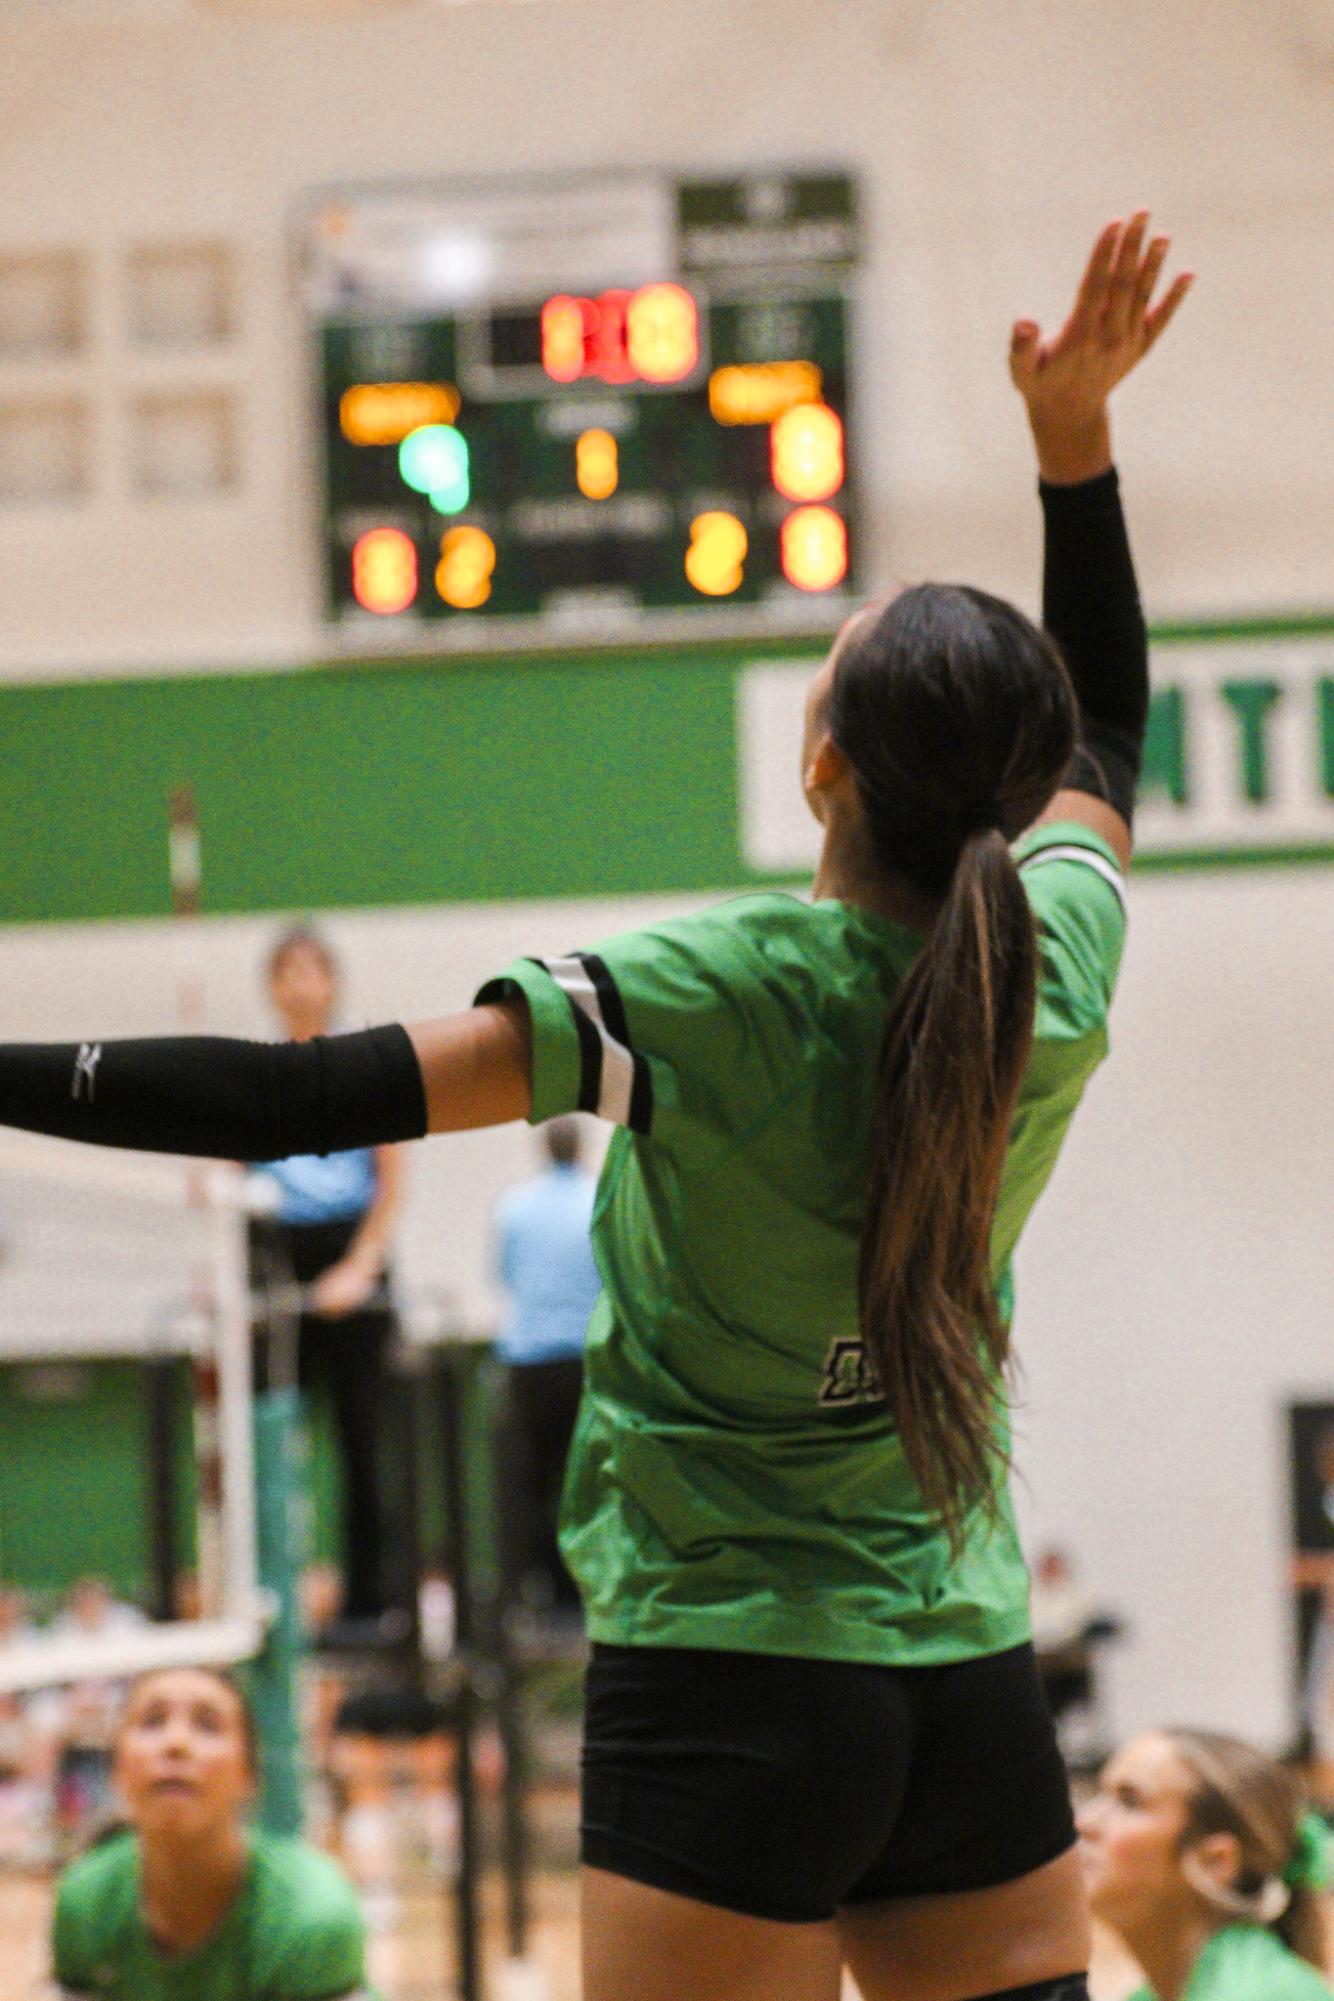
<point>849,1375</point>
<point>85,1071</point>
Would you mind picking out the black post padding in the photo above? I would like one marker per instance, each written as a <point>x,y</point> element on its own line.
<point>514,1802</point>
<point>466,1911</point>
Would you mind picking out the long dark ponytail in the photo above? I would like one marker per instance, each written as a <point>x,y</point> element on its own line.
<point>958,719</point>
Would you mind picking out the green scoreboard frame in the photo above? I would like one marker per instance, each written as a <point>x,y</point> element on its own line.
<point>589,409</point>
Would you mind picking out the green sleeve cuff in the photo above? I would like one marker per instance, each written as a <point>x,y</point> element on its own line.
<point>556,1064</point>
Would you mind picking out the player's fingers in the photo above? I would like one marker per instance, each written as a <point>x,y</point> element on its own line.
<point>1150,265</point>
<point>1025,346</point>
<point>1163,312</point>
<point>1123,274</point>
<point>1091,298</point>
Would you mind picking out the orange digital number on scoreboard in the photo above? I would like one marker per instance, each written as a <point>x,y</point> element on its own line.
<point>384,571</point>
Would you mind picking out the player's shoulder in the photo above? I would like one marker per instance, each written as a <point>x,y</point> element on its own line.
<point>98,1879</point>
<point>308,1928</point>
<point>1061,860</point>
<point>287,1869</point>
<point>1249,1962</point>
<point>96,1897</point>
<point>753,929</point>
<point>753,915</point>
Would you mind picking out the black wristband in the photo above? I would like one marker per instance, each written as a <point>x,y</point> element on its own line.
<point>217,1097</point>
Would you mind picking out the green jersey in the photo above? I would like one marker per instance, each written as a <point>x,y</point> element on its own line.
<point>1248,1963</point>
<point>735,1480</point>
<point>294,1932</point>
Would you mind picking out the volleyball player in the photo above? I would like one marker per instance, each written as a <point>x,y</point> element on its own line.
<point>814,1726</point>
<point>188,1903</point>
<point>1200,1855</point>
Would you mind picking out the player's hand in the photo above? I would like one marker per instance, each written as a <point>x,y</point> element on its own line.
<point>1065,378</point>
<point>343,1288</point>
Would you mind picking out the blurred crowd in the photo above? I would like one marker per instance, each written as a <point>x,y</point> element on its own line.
<point>55,1743</point>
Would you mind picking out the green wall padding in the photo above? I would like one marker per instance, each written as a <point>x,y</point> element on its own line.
<point>344,786</point>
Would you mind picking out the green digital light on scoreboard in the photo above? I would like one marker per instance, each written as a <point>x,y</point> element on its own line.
<point>574,408</point>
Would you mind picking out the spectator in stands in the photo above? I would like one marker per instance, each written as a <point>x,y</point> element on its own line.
<point>1068,1627</point>
<point>546,1267</point>
<point>76,1724</point>
<point>1201,1855</point>
<point>331,1236</point>
<point>24,1757</point>
<point>187,1900</point>
<point>93,1611</point>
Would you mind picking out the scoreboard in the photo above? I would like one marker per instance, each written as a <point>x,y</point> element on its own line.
<point>587,408</point>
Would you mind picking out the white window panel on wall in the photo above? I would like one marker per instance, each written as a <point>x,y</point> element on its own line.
<point>179,294</point>
<point>43,305</point>
<point>45,450</point>
<point>183,442</point>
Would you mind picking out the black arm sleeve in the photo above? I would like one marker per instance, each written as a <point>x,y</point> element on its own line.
<point>224,1099</point>
<point>1091,608</point>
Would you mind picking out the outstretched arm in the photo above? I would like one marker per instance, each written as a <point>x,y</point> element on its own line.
<point>231,1100</point>
<point>1090,597</point>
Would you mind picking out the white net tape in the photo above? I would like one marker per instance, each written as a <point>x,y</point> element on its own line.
<point>104,1253</point>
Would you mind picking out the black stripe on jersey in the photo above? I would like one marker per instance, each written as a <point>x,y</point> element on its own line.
<point>613,1015</point>
<point>590,1050</point>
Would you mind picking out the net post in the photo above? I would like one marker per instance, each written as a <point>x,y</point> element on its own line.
<point>235,1415</point>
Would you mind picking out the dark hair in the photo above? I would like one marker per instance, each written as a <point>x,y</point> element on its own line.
<point>234,1686</point>
<point>1238,1791</point>
<point>958,718</point>
<point>563,1141</point>
<point>301,938</point>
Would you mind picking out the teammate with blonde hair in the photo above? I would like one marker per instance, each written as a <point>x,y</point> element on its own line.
<point>1202,1856</point>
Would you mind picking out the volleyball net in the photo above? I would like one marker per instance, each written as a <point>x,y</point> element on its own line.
<point>134,1267</point>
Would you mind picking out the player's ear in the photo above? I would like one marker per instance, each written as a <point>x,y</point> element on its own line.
<point>826,766</point>
<point>1217,1857</point>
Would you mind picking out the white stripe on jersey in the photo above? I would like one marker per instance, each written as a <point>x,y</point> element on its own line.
<point>1100,865</point>
<point>618,1065</point>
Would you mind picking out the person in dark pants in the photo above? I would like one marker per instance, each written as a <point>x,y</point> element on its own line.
<point>329,1239</point>
<point>546,1266</point>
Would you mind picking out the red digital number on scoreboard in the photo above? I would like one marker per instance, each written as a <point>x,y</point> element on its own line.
<point>651,335</point>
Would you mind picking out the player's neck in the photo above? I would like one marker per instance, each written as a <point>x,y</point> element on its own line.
<point>1167,1953</point>
<point>848,874</point>
<point>188,1887</point>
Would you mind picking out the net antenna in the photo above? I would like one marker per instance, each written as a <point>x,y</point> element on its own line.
<point>185,874</point>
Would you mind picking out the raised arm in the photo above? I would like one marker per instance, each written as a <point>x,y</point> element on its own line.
<point>1090,597</point>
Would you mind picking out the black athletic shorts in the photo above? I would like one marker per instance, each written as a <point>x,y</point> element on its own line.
<point>787,1788</point>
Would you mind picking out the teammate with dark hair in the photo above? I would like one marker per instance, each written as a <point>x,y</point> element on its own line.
<point>815,1731</point>
<point>188,1903</point>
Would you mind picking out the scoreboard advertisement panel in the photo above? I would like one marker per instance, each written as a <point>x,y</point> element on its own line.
<point>586,409</point>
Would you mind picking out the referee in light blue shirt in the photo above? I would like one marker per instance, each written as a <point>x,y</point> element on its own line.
<point>331,1235</point>
<point>545,1265</point>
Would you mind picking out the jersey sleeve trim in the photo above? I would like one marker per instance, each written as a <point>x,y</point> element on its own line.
<point>1090,858</point>
<point>615,1080</point>
<point>558,1055</point>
